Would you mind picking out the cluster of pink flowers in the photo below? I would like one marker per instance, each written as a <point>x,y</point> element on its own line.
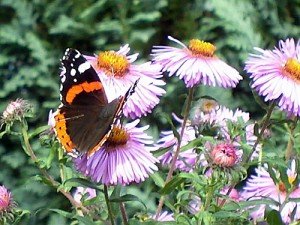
<point>127,157</point>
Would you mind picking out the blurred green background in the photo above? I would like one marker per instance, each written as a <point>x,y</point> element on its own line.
<point>34,35</point>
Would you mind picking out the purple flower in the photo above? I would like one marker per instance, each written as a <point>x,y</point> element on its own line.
<point>164,217</point>
<point>224,155</point>
<point>118,73</point>
<point>276,74</point>
<point>261,186</point>
<point>6,204</point>
<point>186,159</point>
<point>195,64</point>
<point>81,191</point>
<point>15,111</point>
<point>124,158</point>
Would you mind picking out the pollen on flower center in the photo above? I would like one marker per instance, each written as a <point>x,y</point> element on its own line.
<point>118,136</point>
<point>114,64</point>
<point>201,48</point>
<point>292,68</point>
<point>281,187</point>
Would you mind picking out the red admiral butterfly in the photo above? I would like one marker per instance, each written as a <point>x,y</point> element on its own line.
<point>84,120</point>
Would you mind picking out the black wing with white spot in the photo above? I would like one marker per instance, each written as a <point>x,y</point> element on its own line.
<point>76,72</point>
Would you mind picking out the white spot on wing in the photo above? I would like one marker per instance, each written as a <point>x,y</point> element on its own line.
<point>83,67</point>
<point>75,80</point>
<point>77,55</point>
<point>61,88</point>
<point>73,72</point>
<point>63,78</point>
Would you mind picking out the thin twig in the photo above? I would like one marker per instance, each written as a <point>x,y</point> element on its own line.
<point>175,156</point>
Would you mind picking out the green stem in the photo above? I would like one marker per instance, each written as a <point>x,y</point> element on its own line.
<point>289,152</point>
<point>176,154</point>
<point>123,213</point>
<point>209,196</point>
<point>48,177</point>
<point>262,130</point>
<point>109,209</point>
<point>259,137</point>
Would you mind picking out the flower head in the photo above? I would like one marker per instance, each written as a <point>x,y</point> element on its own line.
<point>164,217</point>
<point>276,74</point>
<point>261,186</point>
<point>118,73</point>
<point>81,191</point>
<point>224,155</point>
<point>15,110</point>
<point>124,158</point>
<point>196,64</point>
<point>6,204</point>
<point>186,159</point>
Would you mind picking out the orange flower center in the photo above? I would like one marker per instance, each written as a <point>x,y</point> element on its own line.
<point>112,63</point>
<point>292,69</point>
<point>201,48</point>
<point>281,187</point>
<point>118,136</point>
<point>208,105</point>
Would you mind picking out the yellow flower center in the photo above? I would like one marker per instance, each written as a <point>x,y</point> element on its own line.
<point>292,69</point>
<point>291,179</point>
<point>201,48</point>
<point>112,63</point>
<point>118,136</point>
<point>208,105</point>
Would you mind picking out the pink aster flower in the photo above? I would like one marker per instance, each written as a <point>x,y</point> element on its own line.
<point>124,158</point>
<point>276,74</point>
<point>81,191</point>
<point>118,73</point>
<point>218,118</point>
<point>186,159</point>
<point>15,110</point>
<point>261,186</point>
<point>6,204</point>
<point>196,64</point>
<point>224,155</point>
<point>164,217</point>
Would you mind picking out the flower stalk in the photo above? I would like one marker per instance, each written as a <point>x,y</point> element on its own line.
<point>176,154</point>
<point>29,151</point>
<point>109,209</point>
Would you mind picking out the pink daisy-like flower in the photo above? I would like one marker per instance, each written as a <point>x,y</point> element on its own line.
<point>124,158</point>
<point>81,191</point>
<point>261,186</point>
<point>118,73</point>
<point>276,74</point>
<point>164,217</point>
<point>15,111</point>
<point>186,159</point>
<point>225,155</point>
<point>219,116</point>
<point>196,64</point>
<point>6,204</point>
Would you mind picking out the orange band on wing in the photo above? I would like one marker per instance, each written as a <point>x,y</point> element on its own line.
<point>83,87</point>
<point>61,132</point>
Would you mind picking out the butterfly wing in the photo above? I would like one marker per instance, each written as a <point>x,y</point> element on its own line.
<point>84,119</point>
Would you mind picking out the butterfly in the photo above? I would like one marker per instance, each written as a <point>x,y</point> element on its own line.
<point>85,118</point>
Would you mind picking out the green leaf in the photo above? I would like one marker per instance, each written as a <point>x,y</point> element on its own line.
<point>127,198</point>
<point>38,130</point>
<point>62,213</point>
<point>75,182</point>
<point>273,217</point>
<point>172,185</point>
<point>158,180</point>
